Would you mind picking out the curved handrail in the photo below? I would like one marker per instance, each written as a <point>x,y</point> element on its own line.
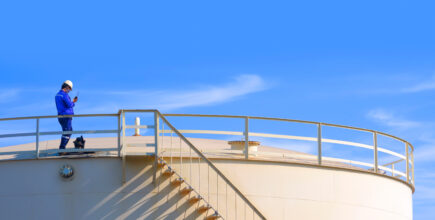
<point>59,116</point>
<point>217,116</point>
<point>408,158</point>
<point>290,120</point>
<point>38,133</point>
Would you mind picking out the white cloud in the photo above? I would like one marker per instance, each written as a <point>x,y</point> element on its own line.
<point>398,86</point>
<point>243,85</point>
<point>422,134</point>
<point>425,192</point>
<point>390,120</point>
<point>167,100</point>
<point>425,152</point>
<point>8,95</point>
<point>424,86</point>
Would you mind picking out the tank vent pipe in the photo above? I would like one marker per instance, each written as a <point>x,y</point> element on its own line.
<point>137,130</point>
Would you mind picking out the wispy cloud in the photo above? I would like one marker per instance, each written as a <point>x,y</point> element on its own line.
<point>8,95</point>
<point>420,133</point>
<point>426,192</point>
<point>167,100</point>
<point>242,85</point>
<point>425,152</point>
<point>400,85</point>
<point>389,119</point>
<point>420,87</point>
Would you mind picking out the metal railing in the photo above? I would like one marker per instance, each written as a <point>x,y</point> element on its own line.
<point>203,176</point>
<point>408,157</point>
<point>37,134</point>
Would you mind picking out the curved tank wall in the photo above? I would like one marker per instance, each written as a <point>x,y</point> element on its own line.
<point>291,191</point>
<point>33,189</point>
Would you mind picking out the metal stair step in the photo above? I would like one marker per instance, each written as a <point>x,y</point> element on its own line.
<point>203,208</point>
<point>177,182</point>
<point>213,217</point>
<point>168,172</point>
<point>195,199</point>
<point>186,190</point>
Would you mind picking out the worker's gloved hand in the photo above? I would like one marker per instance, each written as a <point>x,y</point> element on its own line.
<point>75,99</point>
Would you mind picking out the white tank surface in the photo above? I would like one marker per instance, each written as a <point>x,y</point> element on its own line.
<point>105,186</point>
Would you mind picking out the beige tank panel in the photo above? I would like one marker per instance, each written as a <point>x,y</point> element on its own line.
<point>33,189</point>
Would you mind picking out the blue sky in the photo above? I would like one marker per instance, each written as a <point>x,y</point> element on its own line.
<point>361,63</point>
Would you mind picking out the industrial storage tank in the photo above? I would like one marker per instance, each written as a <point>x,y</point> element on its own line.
<point>173,168</point>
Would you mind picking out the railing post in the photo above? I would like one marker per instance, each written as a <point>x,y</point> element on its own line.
<point>156,147</point>
<point>37,138</point>
<point>123,146</point>
<point>407,162</point>
<point>246,138</point>
<point>375,151</point>
<point>392,169</point>
<point>412,170</point>
<point>119,134</point>
<point>319,143</point>
<point>123,133</point>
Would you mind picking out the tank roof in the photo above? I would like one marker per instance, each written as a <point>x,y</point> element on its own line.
<point>140,146</point>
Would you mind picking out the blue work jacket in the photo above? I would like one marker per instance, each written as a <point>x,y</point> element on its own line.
<point>64,104</point>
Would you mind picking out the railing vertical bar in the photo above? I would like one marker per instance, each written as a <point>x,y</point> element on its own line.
<point>235,205</point>
<point>181,160</point>
<point>375,151</point>
<point>199,174</point>
<point>123,134</point>
<point>246,138</point>
<point>119,135</point>
<point>171,148</point>
<point>162,134</point>
<point>217,191</point>
<point>392,169</point>
<point>37,138</point>
<point>208,183</point>
<point>156,147</point>
<point>226,200</point>
<point>190,166</point>
<point>407,162</point>
<point>413,164</point>
<point>123,147</point>
<point>319,143</point>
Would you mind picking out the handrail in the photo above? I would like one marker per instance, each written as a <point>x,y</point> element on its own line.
<point>59,116</point>
<point>290,137</point>
<point>408,157</point>
<point>289,120</point>
<point>38,133</point>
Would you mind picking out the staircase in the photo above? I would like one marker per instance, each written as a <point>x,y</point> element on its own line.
<point>209,194</point>
<point>201,208</point>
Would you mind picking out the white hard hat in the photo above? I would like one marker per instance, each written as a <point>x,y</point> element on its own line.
<point>69,83</point>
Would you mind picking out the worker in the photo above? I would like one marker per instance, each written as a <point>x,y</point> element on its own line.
<point>65,107</point>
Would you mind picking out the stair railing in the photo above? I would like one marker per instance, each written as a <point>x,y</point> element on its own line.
<point>195,169</point>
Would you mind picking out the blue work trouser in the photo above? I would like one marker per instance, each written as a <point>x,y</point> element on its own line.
<point>66,126</point>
